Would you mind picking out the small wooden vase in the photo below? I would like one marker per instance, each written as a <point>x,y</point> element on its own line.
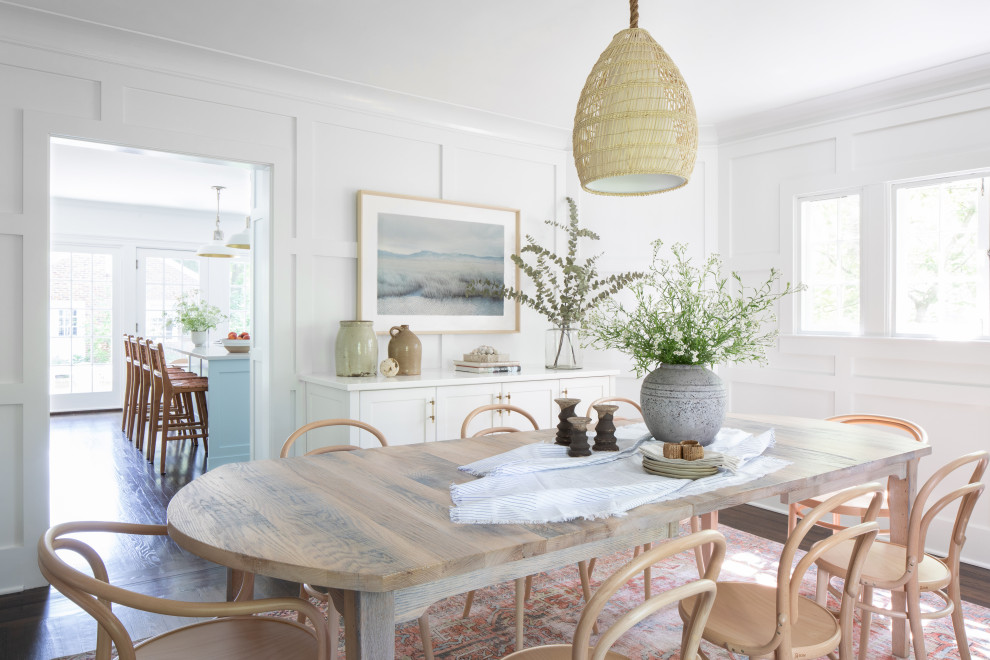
<point>564,427</point>
<point>579,437</point>
<point>605,429</point>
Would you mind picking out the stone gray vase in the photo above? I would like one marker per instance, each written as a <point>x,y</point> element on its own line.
<point>683,402</point>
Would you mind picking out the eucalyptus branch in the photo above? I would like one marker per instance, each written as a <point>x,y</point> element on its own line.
<point>565,289</point>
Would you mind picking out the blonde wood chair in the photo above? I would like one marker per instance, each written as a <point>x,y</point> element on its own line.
<point>856,509</point>
<point>524,585</point>
<point>336,599</point>
<point>500,407</point>
<point>614,399</point>
<point>700,591</point>
<point>909,568</point>
<point>237,632</point>
<point>760,621</point>
<point>696,524</point>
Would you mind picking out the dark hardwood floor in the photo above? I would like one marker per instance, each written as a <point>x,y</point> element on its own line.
<point>98,475</point>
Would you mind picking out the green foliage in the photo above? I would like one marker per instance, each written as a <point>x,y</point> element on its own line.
<point>193,314</point>
<point>689,315</point>
<point>564,289</point>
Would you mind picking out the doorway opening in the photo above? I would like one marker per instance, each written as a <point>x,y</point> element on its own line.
<point>126,225</point>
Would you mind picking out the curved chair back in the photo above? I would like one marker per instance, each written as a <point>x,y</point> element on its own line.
<point>95,595</point>
<point>496,429</point>
<point>922,514</point>
<point>613,399</point>
<point>898,423</point>
<point>302,430</point>
<point>789,581</point>
<point>704,585</point>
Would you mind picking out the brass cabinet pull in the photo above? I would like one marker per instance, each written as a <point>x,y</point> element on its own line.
<point>508,399</point>
<point>433,410</point>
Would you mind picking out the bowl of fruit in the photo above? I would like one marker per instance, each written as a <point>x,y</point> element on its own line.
<point>237,342</point>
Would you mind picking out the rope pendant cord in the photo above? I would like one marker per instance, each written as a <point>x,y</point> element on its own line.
<point>634,13</point>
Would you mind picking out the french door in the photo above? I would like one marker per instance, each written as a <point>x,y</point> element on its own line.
<point>85,361</point>
<point>163,276</point>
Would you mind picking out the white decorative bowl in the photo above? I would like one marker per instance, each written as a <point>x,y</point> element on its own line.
<point>237,345</point>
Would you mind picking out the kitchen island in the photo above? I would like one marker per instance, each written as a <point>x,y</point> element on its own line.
<point>228,400</point>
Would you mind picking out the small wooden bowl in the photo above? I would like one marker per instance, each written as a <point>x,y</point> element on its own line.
<point>670,450</point>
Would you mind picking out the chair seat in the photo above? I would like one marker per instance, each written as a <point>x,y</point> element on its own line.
<point>243,638</point>
<point>885,564</point>
<point>854,507</point>
<point>744,616</point>
<point>554,652</point>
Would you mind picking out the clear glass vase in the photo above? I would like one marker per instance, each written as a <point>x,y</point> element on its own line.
<point>563,349</point>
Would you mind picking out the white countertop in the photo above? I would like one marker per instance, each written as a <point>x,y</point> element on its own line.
<point>446,377</point>
<point>207,352</point>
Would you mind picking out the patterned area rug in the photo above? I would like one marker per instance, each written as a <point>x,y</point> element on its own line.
<point>556,603</point>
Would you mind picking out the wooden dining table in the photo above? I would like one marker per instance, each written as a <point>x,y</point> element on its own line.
<point>376,522</point>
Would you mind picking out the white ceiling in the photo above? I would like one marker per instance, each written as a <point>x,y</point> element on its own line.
<point>527,59</point>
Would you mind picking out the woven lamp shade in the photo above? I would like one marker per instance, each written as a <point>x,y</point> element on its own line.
<point>635,130</point>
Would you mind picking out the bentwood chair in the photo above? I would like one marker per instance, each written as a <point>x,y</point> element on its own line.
<point>856,509</point>
<point>499,408</point>
<point>523,585</point>
<point>616,400</point>
<point>700,591</point>
<point>239,632</point>
<point>700,552</point>
<point>909,568</point>
<point>762,621</point>
<point>334,598</point>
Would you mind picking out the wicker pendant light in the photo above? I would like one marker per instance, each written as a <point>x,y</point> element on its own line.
<point>635,130</point>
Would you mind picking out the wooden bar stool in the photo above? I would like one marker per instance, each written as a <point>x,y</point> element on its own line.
<point>176,412</point>
<point>127,383</point>
<point>133,392</point>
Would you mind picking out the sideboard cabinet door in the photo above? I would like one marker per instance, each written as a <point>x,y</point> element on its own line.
<point>405,416</point>
<point>456,401</point>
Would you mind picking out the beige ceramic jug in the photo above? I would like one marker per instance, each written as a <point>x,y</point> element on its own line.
<point>407,350</point>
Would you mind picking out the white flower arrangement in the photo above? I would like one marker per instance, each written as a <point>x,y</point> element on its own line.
<point>689,315</point>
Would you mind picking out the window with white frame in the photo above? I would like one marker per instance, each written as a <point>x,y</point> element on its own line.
<point>941,259</point>
<point>924,268</point>
<point>830,263</point>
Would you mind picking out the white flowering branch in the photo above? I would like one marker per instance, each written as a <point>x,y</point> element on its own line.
<point>689,315</point>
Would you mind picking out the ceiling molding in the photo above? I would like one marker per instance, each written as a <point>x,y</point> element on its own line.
<point>968,75</point>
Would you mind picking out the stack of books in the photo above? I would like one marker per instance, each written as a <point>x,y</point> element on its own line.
<point>503,367</point>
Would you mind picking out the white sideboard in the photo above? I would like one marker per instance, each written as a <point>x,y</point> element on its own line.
<point>432,406</point>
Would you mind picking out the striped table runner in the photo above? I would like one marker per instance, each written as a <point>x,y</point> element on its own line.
<point>539,483</point>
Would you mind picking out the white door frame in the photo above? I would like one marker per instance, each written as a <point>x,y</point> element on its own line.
<point>24,405</point>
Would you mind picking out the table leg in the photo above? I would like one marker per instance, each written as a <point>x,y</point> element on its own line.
<point>240,585</point>
<point>900,497</point>
<point>369,629</point>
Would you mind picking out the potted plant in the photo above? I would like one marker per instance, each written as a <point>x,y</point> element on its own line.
<point>196,316</point>
<point>565,289</point>
<point>683,320</point>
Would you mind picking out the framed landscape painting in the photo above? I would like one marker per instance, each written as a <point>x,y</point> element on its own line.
<point>416,257</point>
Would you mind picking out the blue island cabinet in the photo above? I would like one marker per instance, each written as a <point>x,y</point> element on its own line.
<point>228,401</point>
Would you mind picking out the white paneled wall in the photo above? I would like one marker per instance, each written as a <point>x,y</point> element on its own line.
<point>324,140</point>
<point>944,386</point>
